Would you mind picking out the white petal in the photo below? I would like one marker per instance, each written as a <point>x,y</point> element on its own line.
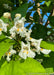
<point>0,32</point>
<point>16,19</point>
<point>22,55</point>
<point>38,50</point>
<point>44,51</point>
<point>31,54</point>
<point>39,41</point>
<point>9,37</point>
<point>13,35</point>
<point>23,19</point>
<point>8,59</point>
<point>5,29</point>
<point>13,52</point>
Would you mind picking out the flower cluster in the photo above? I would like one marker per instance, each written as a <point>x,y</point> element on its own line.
<point>29,46</point>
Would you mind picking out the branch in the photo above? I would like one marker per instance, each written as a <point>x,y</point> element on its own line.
<point>48,20</point>
<point>40,17</point>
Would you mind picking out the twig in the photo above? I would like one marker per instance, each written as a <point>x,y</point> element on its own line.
<point>48,20</point>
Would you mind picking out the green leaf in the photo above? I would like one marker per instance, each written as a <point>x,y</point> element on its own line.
<point>48,3</point>
<point>47,45</point>
<point>51,19</point>
<point>48,62</point>
<point>22,10</point>
<point>39,31</point>
<point>36,17</point>
<point>4,45</point>
<point>29,66</point>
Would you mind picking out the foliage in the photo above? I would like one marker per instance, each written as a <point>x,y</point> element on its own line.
<point>16,62</point>
<point>2,9</point>
<point>40,10</point>
<point>21,67</point>
<point>48,62</point>
<point>39,31</point>
<point>22,10</point>
<point>25,67</point>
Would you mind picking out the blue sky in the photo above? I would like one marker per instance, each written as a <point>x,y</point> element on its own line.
<point>44,18</point>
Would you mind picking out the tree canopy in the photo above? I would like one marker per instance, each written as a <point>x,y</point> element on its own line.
<point>40,9</point>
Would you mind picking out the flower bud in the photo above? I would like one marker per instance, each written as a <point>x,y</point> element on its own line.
<point>6,15</point>
<point>18,15</point>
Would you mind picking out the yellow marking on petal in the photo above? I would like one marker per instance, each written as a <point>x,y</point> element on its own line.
<point>21,29</point>
<point>30,38</point>
<point>24,51</point>
<point>18,29</point>
<point>0,29</point>
<point>41,49</point>
<point>9,53</point>
<point>27,52</point>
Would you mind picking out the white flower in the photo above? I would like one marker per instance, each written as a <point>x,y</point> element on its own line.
<point>45,51</point>
<point>14,30</point>
<point>3,26</point>
<point>35,42</point>
<point>17,17</point>
<point>25,51</point>
<point>6,15</point>
<point>19,24</point>
<point>10,53</point>
<point>20,29</point>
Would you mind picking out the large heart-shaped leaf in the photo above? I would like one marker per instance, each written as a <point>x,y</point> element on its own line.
<point>48,3</point>
<point>27,67</point>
